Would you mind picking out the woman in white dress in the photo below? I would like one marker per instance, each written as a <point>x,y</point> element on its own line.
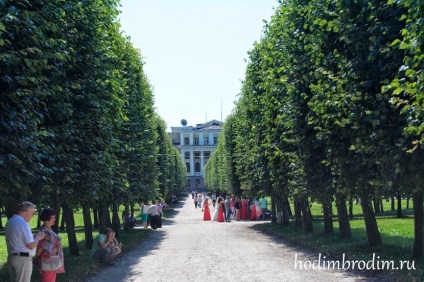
<point>215,213</point>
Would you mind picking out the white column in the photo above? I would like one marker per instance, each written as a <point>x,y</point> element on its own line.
<point>211,138</point>
<point>191,139</point>
<point>191,162</point>
<point>182,139</point>
<point>201,140</point>
<point>202,162</point>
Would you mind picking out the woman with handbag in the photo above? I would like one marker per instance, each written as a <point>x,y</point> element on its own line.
<point>49,255</point>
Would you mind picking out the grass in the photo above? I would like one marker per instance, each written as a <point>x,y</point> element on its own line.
<point>397,235</point>
<point>78,267</point>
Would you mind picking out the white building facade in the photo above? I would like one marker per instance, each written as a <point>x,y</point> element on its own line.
<point>196,145</point>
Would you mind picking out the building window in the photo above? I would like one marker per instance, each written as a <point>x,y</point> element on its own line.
<point>197,167</point>
<point>196,141</point>
<point>206,154</point>
<point>215,140</point>
<point>187,155</point>
<point>188,167</point>
<point>186,141</point>
<point>206,140</point>
<point>197,154</point>
<point>197,183</point>
<point>188,183</point>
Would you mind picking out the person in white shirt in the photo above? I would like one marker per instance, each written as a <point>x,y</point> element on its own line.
<point>154,214</point>
<point>21,244</point>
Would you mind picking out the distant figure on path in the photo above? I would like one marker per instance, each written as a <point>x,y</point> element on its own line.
<point>206,210</point>
<point>144,211</point>
<point>237,206</point>
<point>253,211</point>
<point>221,210</point>
<point>244,209</point>
<point>264,208</point>
<point>154,215</point>
<point>196,200</point>
<point>213,199</point>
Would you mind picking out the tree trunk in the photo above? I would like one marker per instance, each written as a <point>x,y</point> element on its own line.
<point>381,206</point>
<point>96,218</point>
<point>273,209</point>
<point>344,223</point>
<point>132,210</point>
<point>38,219</point>
<point>399,206</point>
<point>88,226</point>
<point>116,224</point>
<point>307,216</point>
<point>286,211</point>
<point>417,250</point>
<point>104,217</point>
<point>56,207</point>
<point>298,214</point>
<point>377,208</point>
<point>288,206</point>
<point>327,208</point>
<point>374,237</point>
<point>11,207</point>
<point>350,208</point>
<point>62,224</point>
<point>407,202</point>
<point>1,219</point>
<point>392,203</point>
<point>279,211</point>
<point>68,216</point>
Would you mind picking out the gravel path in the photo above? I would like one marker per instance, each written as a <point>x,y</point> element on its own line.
<point>188,249</point>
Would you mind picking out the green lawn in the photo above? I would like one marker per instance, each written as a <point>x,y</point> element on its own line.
<point>397,235</point>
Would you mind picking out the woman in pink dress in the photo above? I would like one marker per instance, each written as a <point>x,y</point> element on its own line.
<point>221,209</point>
<point>258,210</point>
<point>253,211</point>
<point>206,211</point>
<point>244,210</point>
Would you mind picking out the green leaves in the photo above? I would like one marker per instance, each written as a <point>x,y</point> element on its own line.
<point>77,109</point>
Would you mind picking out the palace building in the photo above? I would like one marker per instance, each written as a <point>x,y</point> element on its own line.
<point>196,145</point>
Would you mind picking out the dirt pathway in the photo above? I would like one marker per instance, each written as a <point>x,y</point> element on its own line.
<point>188,249</point>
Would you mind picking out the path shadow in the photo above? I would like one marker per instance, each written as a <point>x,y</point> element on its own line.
<point>326,260</point>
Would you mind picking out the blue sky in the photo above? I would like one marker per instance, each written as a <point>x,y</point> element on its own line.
<point>195,51</point>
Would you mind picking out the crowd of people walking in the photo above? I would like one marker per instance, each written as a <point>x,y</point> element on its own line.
<point>229,208</point>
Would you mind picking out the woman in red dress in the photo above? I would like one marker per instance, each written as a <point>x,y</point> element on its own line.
<point>253,211</point>
<point>244,210</point>
<point>221,209</point>
<point>206,212</point>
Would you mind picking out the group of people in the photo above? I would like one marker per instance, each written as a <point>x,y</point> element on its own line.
<point>231,208</point>
<point>152,213</point>
<point>44,248</point>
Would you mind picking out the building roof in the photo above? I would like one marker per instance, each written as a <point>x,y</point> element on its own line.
<point>210,125</point>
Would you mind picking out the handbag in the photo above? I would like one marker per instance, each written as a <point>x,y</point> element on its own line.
<point>52,263</point>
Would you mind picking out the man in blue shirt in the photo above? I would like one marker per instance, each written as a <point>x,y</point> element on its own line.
<point>264,209</point>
